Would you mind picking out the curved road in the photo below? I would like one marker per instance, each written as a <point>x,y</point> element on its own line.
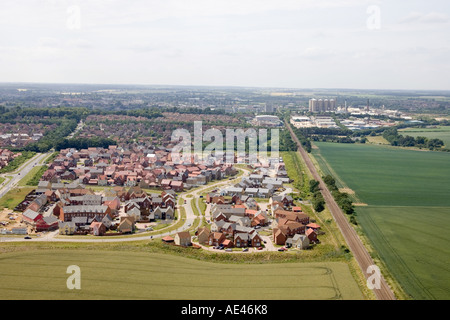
<point>189,220</point>
<point>354,242</point>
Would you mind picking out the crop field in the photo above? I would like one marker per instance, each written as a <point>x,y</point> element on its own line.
<point>41,274</point>
<point>442,133</point>
<point>408,209</point>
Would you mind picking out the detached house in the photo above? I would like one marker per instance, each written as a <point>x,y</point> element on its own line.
<point>216,238</point>
<point>203,235</point>
<point>67,228</point>
<point>97,228</point>
<point>183,239</point>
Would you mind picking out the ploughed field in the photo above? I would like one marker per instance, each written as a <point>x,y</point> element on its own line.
<point>407,211</point>
<point>107,274</point>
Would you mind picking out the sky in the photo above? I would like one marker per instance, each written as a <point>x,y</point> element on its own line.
<point>353,44</point>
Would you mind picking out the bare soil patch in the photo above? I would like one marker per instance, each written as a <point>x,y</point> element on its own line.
<point>346,190</point>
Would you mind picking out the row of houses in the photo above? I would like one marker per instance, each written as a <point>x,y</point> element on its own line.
<point>233,225</point>
<point>293,228</point>
<point>98,227</point>
<point>81,210</point>
<point>241,237</point>
<point>143,167</point>
<point>6,156</point>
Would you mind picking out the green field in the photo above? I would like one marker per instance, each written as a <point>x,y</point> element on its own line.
<point>408,212</point>
<point>442,133</point>
<point>41,274</point>
<point>14,196</point>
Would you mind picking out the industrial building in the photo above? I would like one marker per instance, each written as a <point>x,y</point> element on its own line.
<point>322,105</point>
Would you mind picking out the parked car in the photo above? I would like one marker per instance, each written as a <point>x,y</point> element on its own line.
<point>27,237</point>
<point>282,249</point>
<point>260,248</point>
<point>245,249</point>
<point>228,250</point>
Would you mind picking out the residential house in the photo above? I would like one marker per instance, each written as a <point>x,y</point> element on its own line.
<point>67,228</point>
<point>203,235</point>
<point>126,224</point>
<point>183,239</point>
<point>31,216</point>
<point>97,228</point>
<point>312,235</point>
<point>47,224</point>
<point>216,238</point>
<point>300,241</point>
<point>241,240</point>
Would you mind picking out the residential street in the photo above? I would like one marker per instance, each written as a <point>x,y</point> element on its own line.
<point>20,173</point>
<point>190,218</point>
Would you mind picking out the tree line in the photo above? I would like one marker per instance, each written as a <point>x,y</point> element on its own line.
<point>342,198</point>
<point>84,143</point>
<point>396,139</point>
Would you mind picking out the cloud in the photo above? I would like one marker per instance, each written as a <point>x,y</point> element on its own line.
<point>432,17</point>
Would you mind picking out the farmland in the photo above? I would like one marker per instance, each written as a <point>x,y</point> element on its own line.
<point>133,274</point>
<point>407,212</point>
<point>442,133</point>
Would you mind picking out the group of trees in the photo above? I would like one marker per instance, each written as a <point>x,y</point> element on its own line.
<point>317,199</point>
<point>397,139</point>
<point>336,139</point>
<point>84,143</point>
<point>17,162</point>
<point>342,199</point>
<point>149,113</point>
<point>52,138</point>
<point>306,144</point>
<point>19,114</point>
<point>286,142</point>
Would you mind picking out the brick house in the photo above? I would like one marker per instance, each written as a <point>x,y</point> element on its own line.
<point>183,239</point>
<point>97,228</point>
<point>216,238</point>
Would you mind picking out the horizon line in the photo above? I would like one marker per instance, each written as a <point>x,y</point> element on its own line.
<point>211,86</point>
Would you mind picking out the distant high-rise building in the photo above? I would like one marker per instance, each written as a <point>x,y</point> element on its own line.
<point>313,105</point>
<point>322,105</point>
<point>332,105</point>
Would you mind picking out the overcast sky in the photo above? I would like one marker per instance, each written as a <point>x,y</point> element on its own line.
<point>395,44</point>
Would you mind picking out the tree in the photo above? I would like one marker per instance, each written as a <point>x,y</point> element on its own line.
<point>318,202</point>
<point>330,181</point>
<point>313,186</point>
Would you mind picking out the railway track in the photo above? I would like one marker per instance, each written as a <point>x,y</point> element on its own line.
<point>354,243</point>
